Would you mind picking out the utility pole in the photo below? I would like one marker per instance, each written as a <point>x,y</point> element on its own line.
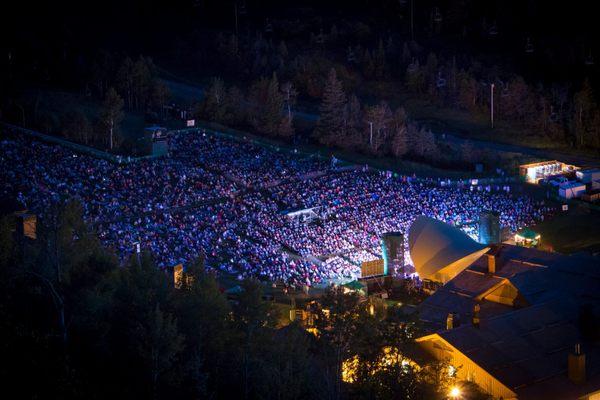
<point>235,11</point>
<point>412,20</point>
<point>111,133</point>
<point>492,104</point>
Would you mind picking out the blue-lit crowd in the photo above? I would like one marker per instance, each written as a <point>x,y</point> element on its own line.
<point>229,200</point>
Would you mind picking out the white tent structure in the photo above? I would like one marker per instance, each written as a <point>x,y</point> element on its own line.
<point>440,251</point>
<point>306,215</point>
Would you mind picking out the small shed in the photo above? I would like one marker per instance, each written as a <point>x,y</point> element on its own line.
<point>157,136</point>
<point>571,190</point>
<point>591,177</point>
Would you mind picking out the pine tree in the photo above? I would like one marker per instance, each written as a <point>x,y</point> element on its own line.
<point>143,77</point>
<point>467,152</point>
<point>431,74</point>
<point>405,59</point>
<point>330,127</point>
<point>257,97</point>
<point>379,62</point>
<point>286,127</point>
<point>125,81</point>
<point>415,78</point>
<point>273,107</point>
<point>399,145</point>
<point>368,65</point>
<point>203,317</point>
<point>421,141</point>
<point>160,96</point>
<point>112,115</point>
<point>76,127</point>
<point>584,106</point>
<point>235,106</point>
<point>354,125</point>
<point>159,343</point>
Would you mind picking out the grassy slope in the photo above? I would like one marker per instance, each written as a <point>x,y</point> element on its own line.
<point>573,231</point>
<point>60,103</point>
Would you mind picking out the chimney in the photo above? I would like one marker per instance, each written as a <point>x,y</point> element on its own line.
<point>576,368</point>
<point>492,259</point>
<point>491,263</point>
<point>476,309</point>
<point>452,321</point>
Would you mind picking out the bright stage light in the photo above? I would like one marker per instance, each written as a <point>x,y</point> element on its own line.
<point>454,393</point>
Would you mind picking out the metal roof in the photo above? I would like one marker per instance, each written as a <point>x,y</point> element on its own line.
<point>525,348</point>
<point>434,245</point>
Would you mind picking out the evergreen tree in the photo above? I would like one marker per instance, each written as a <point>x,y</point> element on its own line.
<point>336,328</point>
<point>77,127</point>
<point>125,81</point>
<point>585,108</point>
<point>252,318</point>
<point>400,145</point>
<point>354,125</point>
<point>467,152</point>
<point>144,332</point>
<point>235,106</point>
<point>330,127</point>
<point>112,115</point>
<point>379,62</point>
<point>204,320</point>
<point>143,80</point>
<point>160,97</point>
<point>292,372</point>
<point>159,345</point>
<point>257,97</point>
<point>415,78</point>
<point>273,108</point>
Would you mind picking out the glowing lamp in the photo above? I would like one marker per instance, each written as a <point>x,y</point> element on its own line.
<point>454,393</point>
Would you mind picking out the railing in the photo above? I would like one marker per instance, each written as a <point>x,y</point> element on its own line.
<point>79,148</point>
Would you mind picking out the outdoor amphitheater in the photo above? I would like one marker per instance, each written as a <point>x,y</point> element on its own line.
<point>249,209</point>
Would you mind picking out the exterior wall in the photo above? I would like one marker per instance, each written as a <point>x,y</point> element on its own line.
<point>467,369</point>
<point>591,396</point>
<point>571,192</point>
<point>505,294</point>
<point>588,176</point>
<point>449,272</point>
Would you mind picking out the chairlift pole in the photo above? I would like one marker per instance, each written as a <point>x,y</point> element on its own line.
<point>235,11</point>
<point>412,20</point>
<point>492,104</point>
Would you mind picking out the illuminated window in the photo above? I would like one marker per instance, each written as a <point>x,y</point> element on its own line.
<point>452,371</point>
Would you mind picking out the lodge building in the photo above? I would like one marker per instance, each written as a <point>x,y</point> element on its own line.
<point>519,322</point>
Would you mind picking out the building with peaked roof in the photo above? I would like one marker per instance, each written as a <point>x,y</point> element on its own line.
<point>512,321</point>
<point>440,251</point>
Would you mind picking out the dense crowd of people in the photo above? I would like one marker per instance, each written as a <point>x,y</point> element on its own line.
<point>230,200</point>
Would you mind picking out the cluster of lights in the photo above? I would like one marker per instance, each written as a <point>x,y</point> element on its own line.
<point>390,356</point>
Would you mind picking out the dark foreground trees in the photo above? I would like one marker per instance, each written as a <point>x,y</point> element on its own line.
<point>74,324</point>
